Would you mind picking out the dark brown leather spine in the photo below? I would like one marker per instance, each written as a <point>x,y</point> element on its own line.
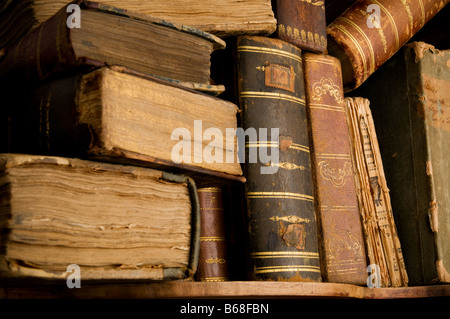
<point>282,224</point>
<point>46,119</point>
<point>302,23</point>
<point>44,51</point>
<point>213,261</point>
<point>341,244</point>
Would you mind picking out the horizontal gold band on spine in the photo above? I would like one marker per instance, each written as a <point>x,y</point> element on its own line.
<point>255,49</point>
<point>284,254</point>
<point>325,107</point>
<point>293,146</point>
<point>272,95</point>
<point>212,238</point>
<point>212,279</point>
<point>300,147</point>
<point>280,195</point>
<point>209,190</point>
<point>318,59</point>
<point>333,156</point>
<point>343,271</point>
<point>262,144</point>
<point>293,268</point>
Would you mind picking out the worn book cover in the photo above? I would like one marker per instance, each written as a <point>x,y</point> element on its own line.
<point>380,233</point>
<point>368,33</point>
<point>411,111</point>
<point>111,36</point>
<point>111,221</point>
<point>116,114</point>
<point>302,23</point>
<point>213,259</point>
<point>340,230</point>
<point>280,199</point>
<point>220,17</point>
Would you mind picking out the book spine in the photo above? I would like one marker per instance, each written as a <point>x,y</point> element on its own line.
<point>411,112</point>
<point>279,190</point>
<point>213,261</point>
<point>45,51</point>
<point>51,124</point>
<point>371,31</point>
<point>382,242</point>
<point>341,243</point>
<point>302,23</point>
<point>427,82</point>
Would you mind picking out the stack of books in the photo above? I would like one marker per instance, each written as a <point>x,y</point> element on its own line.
<point>182,140</point>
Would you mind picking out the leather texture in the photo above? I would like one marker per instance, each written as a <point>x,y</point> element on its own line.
<point>282,224</point>
<point>341,244</point>
<point>303,24</point>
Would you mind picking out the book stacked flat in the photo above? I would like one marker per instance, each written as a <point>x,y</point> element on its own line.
<point>182,140</point>
<point>122,89</point>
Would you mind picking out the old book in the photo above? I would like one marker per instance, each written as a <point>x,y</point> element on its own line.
<point>112,221</point>
<point>412,114</point>
<point>382,242</point>
<point>116,114</point>
<point>340,230</point>
<point>223,18</point>
<point>367,34</point>
<point>302,23</point>
<point>213,260</point>
<point>279,189</point>
<point>111,36</point>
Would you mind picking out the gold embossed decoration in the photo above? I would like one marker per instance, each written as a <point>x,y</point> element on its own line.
<point>327,86</point>
<point>337,176</point>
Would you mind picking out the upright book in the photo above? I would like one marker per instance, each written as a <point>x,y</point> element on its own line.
<point>221,17</point>
<point>279,189</point>
<point>116,114</point>
<point>213,259</point>
<point>111,36</point>
<point>412,114</point>
<point>383,245</point>
<point>302,23</point>
<point>112,221</point>
<point>340,229</point>
<point>368,33</point>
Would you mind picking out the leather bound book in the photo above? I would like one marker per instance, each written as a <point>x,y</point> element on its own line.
<point>302,23</point>
<point>342,245</point>
<point>371,31</point>
<point>112,221</point>
<point>213,261</point>
<point>111,36</point>
<point>411,111</point>
<point>280,199</point>
<point>220,17</point>
<point>119,115</point>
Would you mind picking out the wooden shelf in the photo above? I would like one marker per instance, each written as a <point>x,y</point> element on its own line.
<point>233,290</point>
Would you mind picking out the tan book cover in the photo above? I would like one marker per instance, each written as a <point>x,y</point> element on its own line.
<point>340,230</point>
